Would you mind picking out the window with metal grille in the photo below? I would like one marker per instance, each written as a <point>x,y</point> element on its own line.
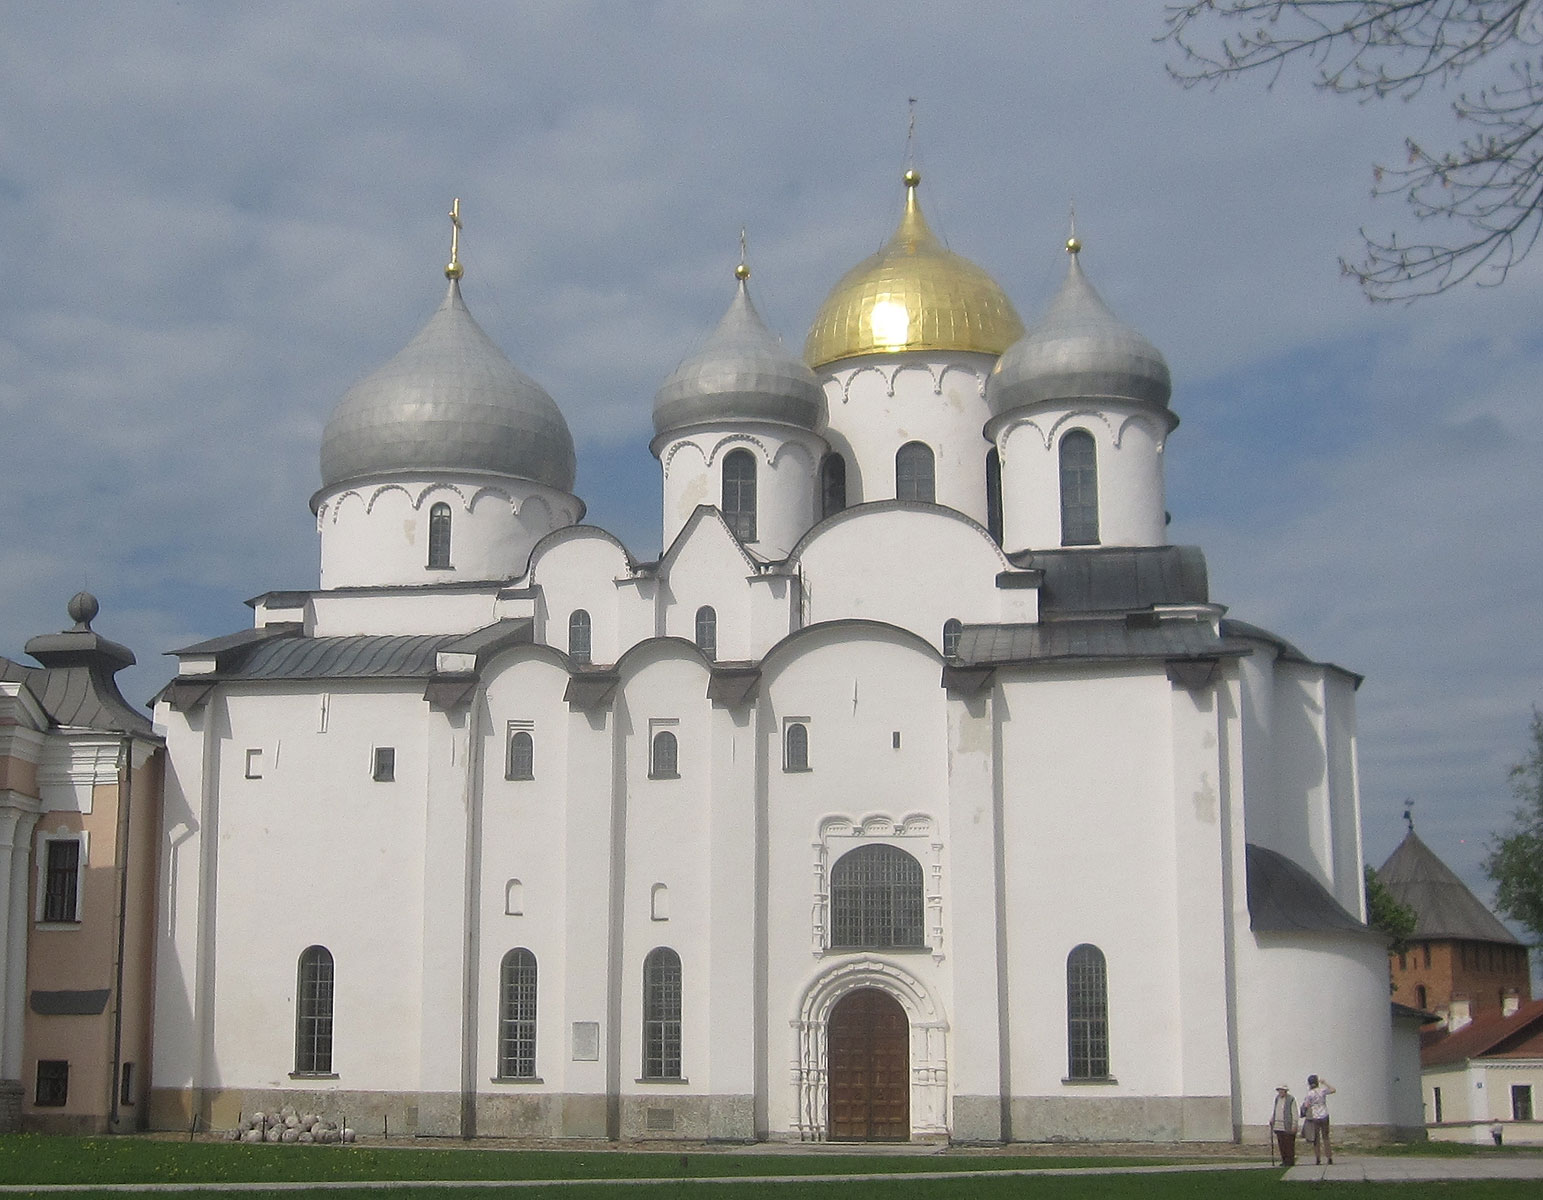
<point>578,636</point>
<point>1087,1014</point>
<point>914,473</point>
<point>833,485</point>
<point>665,759</point>
<point>739,493</point>
<point>517,1016</point>
<point>1079,489</point>
<point>994,495</point>
<point>876,900</point>
<point>61,884</point>
<point>795,747</point>
<point>522,755</point>
<point>439,537</point>
<point>53,1083</point>
<point>952,628</point>
<point>707,631</point>
<point>661,1014</point>
<point>313,1013</point>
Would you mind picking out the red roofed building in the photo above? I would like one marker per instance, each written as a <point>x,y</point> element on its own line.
<point>1487,1074</point>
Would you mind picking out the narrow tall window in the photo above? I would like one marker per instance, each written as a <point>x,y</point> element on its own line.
<point>439,537</point>
<point>739,493</point>
<point>952,628</point>
<point>1079,489</point>
<point>1436,1096</point>
<point>914,473</point>
<point>994,495</point>
<point>522,755</point>
<point>313,1013</point>
<point>833,485</point>
<point>517,1016</point>
<point>876,900</point>
<point>661,1014</point>
<point>795,747</point>
<point>61,896</point>
<point>707,631</point>
<point>578,636</point>
<point>664,759</point>
<point>1419,996</point>
<point>1521,1102</point>
<point>1087,1014</point>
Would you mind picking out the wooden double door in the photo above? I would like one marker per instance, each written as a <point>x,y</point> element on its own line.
<point>869,1045</point>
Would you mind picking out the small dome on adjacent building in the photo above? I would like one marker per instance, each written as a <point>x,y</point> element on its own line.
<point>914,294</point>
<point>1081,350</point>
<point>449,401</point>
<point>742,373</point>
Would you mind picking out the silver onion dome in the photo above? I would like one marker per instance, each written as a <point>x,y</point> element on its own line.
<point>741,373</point>
<point>1081,350</point>
<point>449,401</point>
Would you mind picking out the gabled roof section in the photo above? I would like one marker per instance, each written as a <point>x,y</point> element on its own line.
<point>1518,1036</point>
<point>710,514</point>
<point>1284,898</point>
<point>1442,903</point>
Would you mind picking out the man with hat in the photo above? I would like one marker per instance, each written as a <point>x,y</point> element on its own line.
<point>1283,1124</point>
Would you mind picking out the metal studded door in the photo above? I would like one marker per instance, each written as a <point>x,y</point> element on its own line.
<point>869,1043</point>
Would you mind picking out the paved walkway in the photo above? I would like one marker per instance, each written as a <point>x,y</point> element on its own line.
<point>1399,1168</point>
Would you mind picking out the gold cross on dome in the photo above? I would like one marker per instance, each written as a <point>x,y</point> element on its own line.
<point>454,270</point>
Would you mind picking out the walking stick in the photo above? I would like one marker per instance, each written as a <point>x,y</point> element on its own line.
<point>1270,1134</point>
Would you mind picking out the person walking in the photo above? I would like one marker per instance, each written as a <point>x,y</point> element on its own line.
<point>1283,1125</point>
<point>1315,1107</point>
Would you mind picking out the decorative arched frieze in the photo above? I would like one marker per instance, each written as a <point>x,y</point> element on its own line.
<point>732,441</point>
<point>677,447</point>
<point>494,495</point>
<point>978,376</point>
<point>927,369</point>
<point>929,1038</point>
<point>337,503</point>
<point>1048,433</point>
<point>915,834</point>
<point>375,496</point>
<point>846,384</point>
<point>1144,421</point>
<point>440,490</point>
<point>794,450</point>
<point>534,507</point>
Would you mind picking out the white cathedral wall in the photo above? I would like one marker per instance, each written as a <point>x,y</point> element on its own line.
<point>401,612</point>
<point>710,569</point>
<point>579,571</point>
<point>877,404</point>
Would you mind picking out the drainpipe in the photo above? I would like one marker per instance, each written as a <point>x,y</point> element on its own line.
<point>121,862</point>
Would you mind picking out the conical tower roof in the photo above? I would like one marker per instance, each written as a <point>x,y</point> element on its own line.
<point>743,372</point>
<point>448,401</point>
<point>1443,905</point>
<point>914,294</point>
<point>1081,350</point>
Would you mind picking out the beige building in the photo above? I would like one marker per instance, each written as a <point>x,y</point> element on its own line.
<point>80,800</point>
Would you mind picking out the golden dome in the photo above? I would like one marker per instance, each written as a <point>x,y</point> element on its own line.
<point>914,294</point>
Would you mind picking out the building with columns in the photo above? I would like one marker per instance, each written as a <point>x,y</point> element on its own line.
<point>919,789</point>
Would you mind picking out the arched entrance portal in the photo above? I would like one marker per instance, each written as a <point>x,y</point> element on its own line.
<point>869,1040</point>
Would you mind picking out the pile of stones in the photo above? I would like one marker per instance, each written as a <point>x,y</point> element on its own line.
<point>288,1125</point>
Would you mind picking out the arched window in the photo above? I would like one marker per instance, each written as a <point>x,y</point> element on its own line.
<point>1079,489</point>
<point>795,747</point>
<point>659,903</point>
<point>514,898</point>
<point>313,1013</point>
<point>1087,1014</point>
<point>517,1016</point>
<point>439,537</point>
<point>664,759</point>
<point>952,628</point>
<point>661,1014</point>
<point>833,485</point>
<point>522,755</point>
<point>876,900</point>
<point>707,631</point>
<point>994,494</point>
<point>578,636</point>
<point>739,493</point>
<point>914,473</point>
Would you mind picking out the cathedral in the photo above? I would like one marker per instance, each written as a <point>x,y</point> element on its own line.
<point>918,791</point>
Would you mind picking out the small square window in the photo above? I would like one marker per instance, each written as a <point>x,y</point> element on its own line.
<point>53,1087</point>
<point>385,764</point>
<point>254,764</point>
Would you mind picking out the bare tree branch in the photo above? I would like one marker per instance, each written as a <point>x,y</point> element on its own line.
<point>1491,183</point>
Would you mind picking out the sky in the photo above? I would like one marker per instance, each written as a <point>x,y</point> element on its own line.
<point>214,218</point>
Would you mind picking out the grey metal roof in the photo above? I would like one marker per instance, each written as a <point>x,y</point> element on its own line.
<point>75,684</point>
<point>241,639</point>
<point>449,400</point>
<point>1093,640</point>
<point>1118,578</point>
<point>1443,905</point>
<point>742,373</point>
<point>1081,350</point>
<point>1284,898</point>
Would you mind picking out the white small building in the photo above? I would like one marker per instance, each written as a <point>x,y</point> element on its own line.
<point>1486,1079</point>
<point>919,790</point>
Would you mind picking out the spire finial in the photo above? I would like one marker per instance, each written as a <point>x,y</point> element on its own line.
<point>1073,245</point>
<point>1409,814</point>
<point>454,270</point>
<point>742,272</point>
<point>912,176</point>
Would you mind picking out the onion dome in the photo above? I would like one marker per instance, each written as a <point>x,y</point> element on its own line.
<point>1082,351</point>
<point>742,373</point>
<point>914,294</point>
<point>449,401</point>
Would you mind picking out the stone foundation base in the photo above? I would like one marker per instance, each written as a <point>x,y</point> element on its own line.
<point>11,1093</point>
<point>1121,1119</point>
